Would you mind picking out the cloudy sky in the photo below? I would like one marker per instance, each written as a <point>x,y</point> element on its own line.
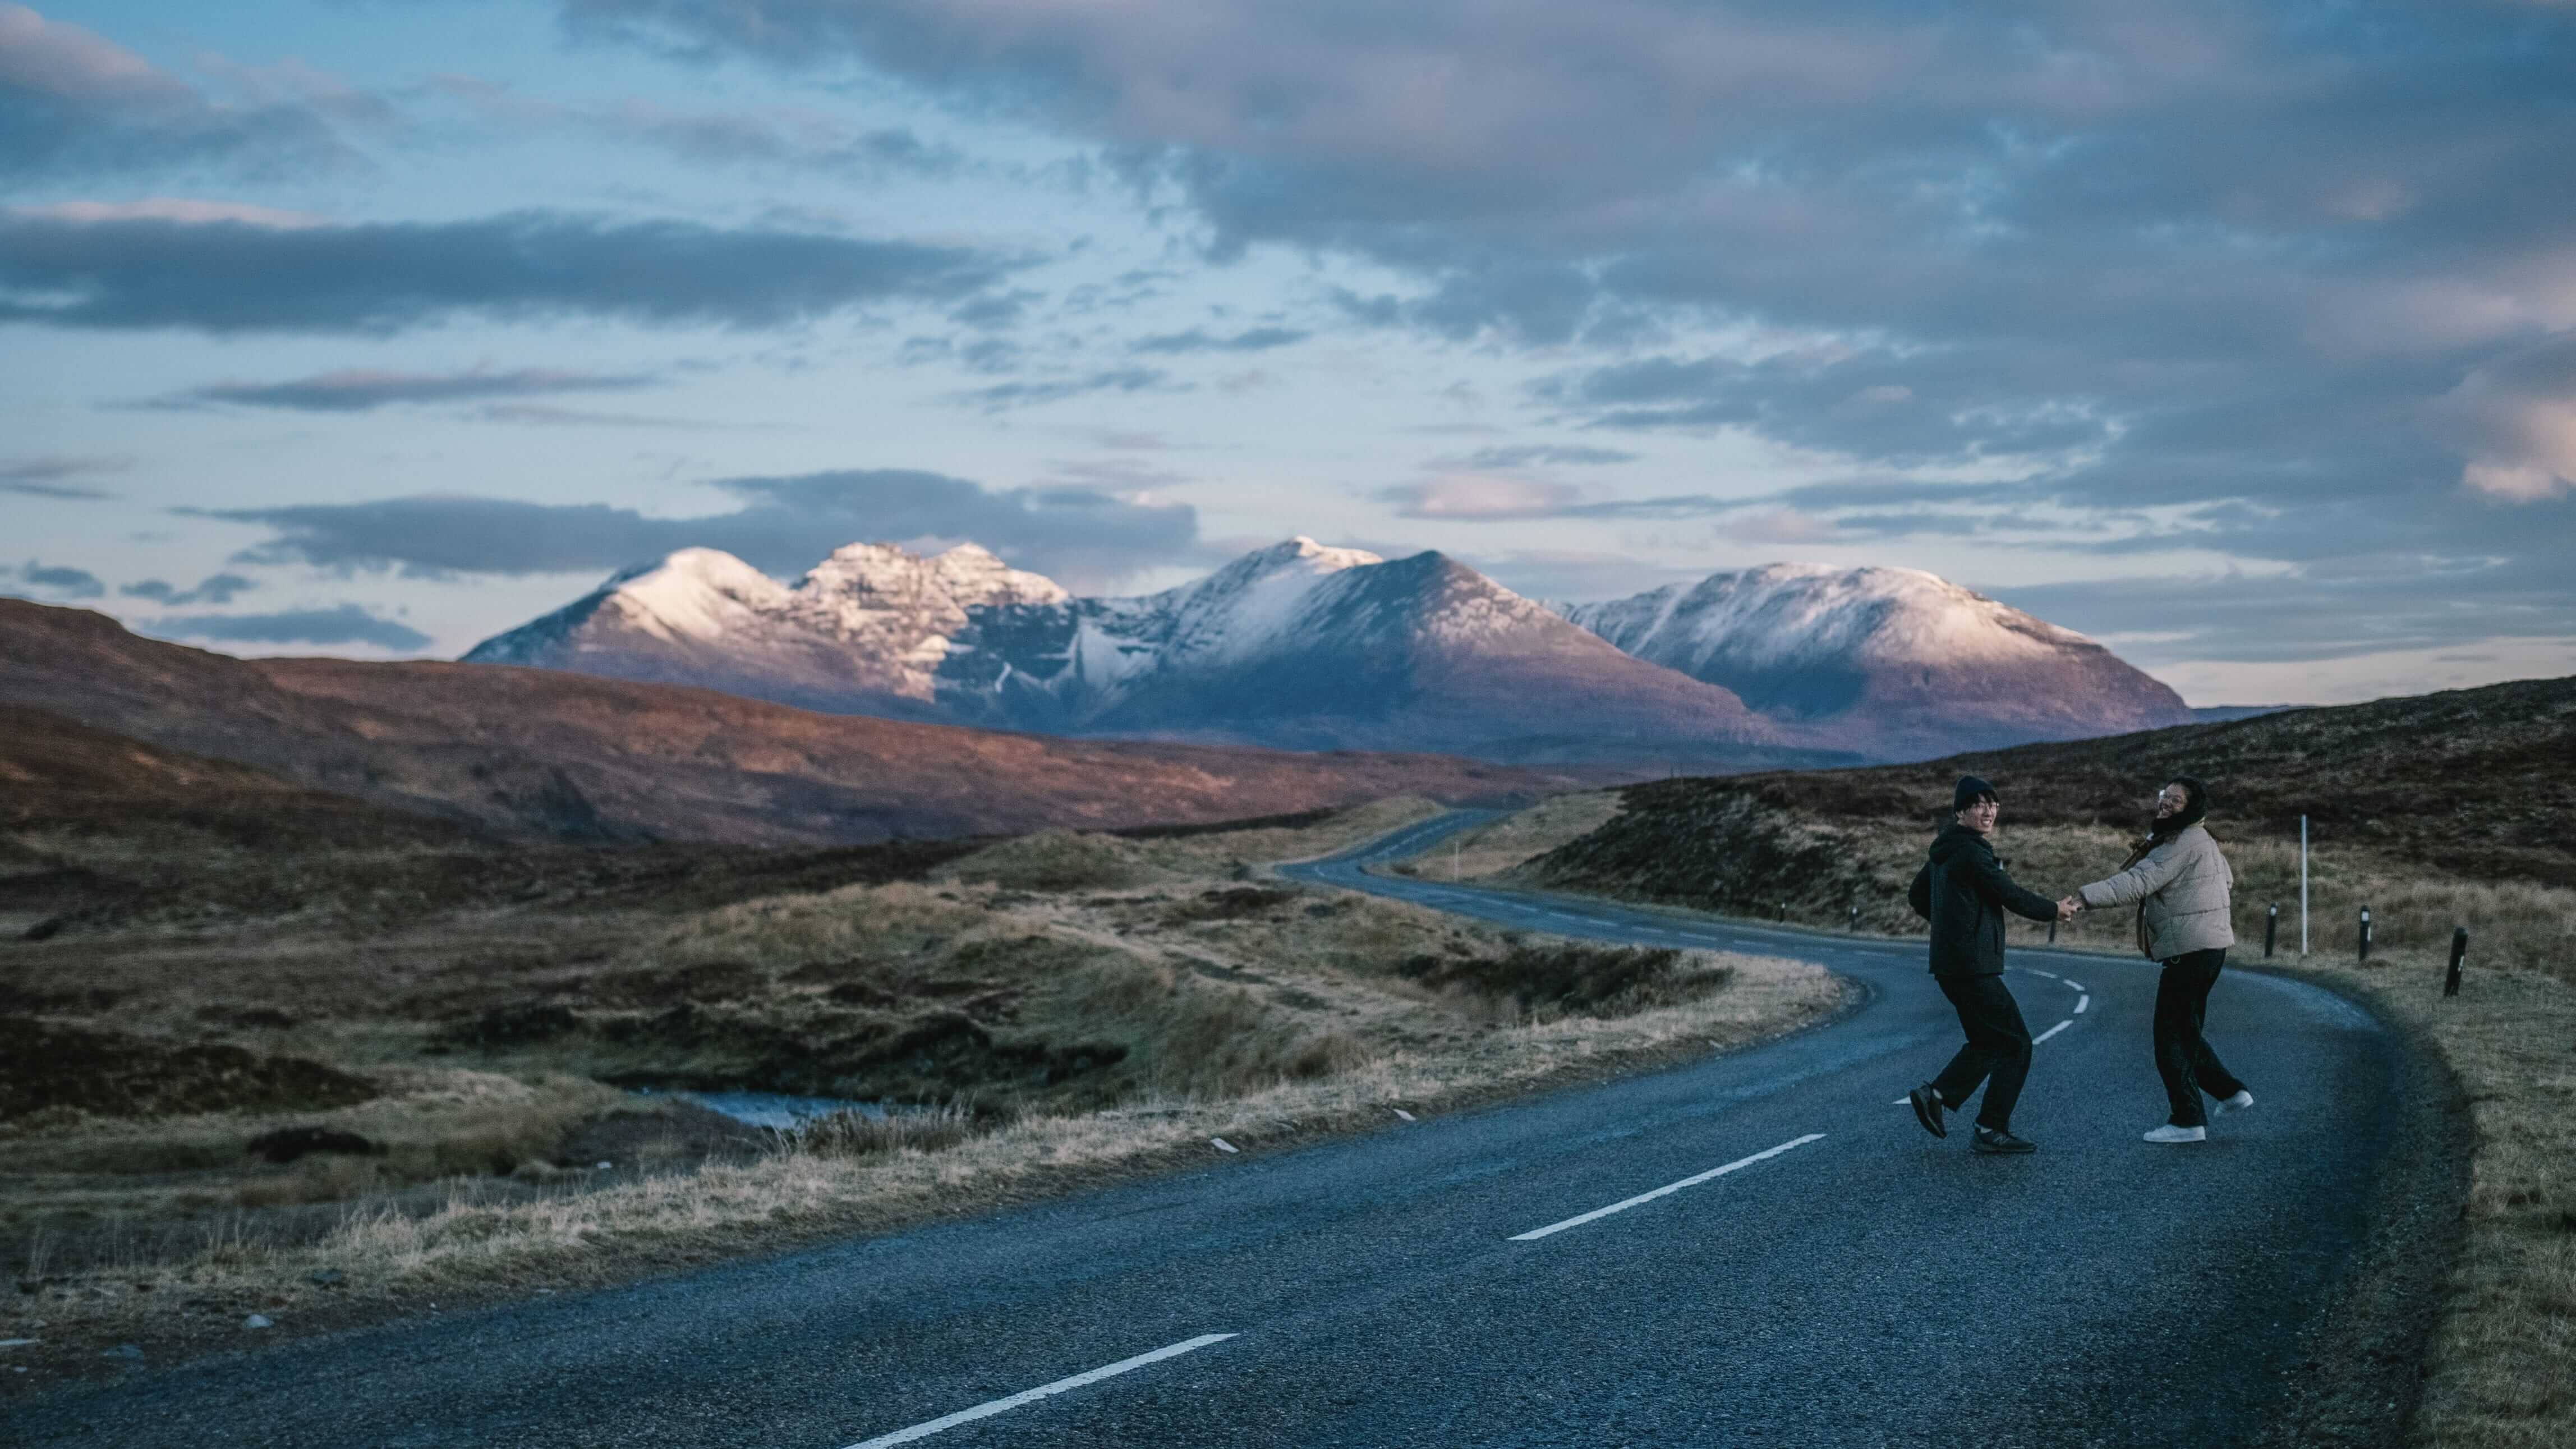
<point>2241,336</point>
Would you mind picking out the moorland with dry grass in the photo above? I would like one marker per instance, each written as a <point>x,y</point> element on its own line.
<point>322,1087</point>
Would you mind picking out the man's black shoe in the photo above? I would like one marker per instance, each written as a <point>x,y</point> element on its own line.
<point>1927,1109</point>
<point>1991,1140</point>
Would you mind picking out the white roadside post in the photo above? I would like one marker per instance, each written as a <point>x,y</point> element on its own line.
<point>2303,887</point>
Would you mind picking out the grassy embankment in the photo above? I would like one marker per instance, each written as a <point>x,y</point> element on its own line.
<point>1068,1009</point>
<point>2500,1367</point>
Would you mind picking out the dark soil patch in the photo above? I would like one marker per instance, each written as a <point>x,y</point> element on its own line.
<point>934,1057</point>
<point>1298,821</point>
<point>520,1024</point>
<point>705,981</point>
<point>1589,980</point>
<point>1233,903</point>
<point>286,1144</point>
<point>110,1074</point>
<point>17,1000</point>
<point>675,1133</point>
<point>267,1018</point>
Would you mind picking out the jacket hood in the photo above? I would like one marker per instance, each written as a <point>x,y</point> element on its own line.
<point>1954,839</point>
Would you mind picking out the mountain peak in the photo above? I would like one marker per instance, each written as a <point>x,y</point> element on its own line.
<point>1905,659</point>
<point>1318,557</point>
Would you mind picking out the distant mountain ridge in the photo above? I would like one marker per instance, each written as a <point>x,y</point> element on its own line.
<point>1308,647</point>
<point>1894,662</point>
<point>1293,646</point>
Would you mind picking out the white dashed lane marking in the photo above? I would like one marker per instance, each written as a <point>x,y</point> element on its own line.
<point>1694,1180</point>
<point>1031,1396</point>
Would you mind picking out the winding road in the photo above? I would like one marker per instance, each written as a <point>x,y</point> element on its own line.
<point>1758,1248</point>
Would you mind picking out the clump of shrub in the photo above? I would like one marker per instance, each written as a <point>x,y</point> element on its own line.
<point>1231,903</point>
<point>1058,860</point>
<point>859,1134</point>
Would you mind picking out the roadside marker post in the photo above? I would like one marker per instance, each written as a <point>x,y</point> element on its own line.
<point>2459,957</point>
<point>2365,934</point>
<point>2303,887</point>
<point>1855,918</point>
<point>2271,929</point>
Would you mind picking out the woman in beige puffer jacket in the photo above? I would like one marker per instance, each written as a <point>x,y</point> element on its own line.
<point>2181,884</point>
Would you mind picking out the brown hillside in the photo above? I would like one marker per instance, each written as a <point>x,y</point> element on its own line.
<point>2473,783</point>
<point>538,753</point>
<point>59,777</point>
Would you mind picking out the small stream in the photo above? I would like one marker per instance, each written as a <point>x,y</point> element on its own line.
<point>771,1109</point>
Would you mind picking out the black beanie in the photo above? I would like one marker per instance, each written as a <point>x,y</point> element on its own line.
<point>1970,790</point>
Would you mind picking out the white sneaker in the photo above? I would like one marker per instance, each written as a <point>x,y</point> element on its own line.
<point>2237,1103</point>
<point>2171,1133</point>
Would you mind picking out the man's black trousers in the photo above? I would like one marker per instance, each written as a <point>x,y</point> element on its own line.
<point>1997,1053</point>
<point>2183,1057</point>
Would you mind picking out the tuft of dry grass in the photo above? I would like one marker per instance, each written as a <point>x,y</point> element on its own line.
<point>857,1134</point>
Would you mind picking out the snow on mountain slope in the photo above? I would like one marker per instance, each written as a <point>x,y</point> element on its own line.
<point>1894,661</point>
<point>1303,646</point>
<point>862,630</point>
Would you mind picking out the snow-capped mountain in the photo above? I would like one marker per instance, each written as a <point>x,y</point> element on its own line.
<point>861,632</point>
<point>1302,646</point>
<point>1297,646</point>
<point>1308,647</point>
<point>1892,661</point>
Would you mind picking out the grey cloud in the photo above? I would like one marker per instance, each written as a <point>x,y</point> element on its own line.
<point>2360,604</point>
<point>1255,339</point>
<point>42,477</point>
<point>346,624</point>
<point>546,415</point>
<point>782,138</point>
<point>1895,409</point>
<point>1523,455</point>
<point>235,276</point>
<point>782,525</point>
<point>1472,496</point>
<point>2516,418</point>
<point>50,490</point>
<point>1031,394</point>
<point>998,309</point>
<point>74,103</point>
<point>362,390</point>
<point>216,589</point>
<point>60,580</point>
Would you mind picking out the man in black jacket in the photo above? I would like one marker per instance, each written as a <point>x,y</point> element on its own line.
<point>1964,893</point>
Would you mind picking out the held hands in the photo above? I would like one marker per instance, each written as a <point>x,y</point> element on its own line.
<point>2068,907</point>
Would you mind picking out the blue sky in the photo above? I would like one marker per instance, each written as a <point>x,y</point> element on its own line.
<point>2241,336</point>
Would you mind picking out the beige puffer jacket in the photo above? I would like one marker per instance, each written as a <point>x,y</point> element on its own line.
<point>2183,887</point>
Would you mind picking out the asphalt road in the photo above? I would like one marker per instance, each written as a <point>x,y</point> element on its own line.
<point>1820,1272</point>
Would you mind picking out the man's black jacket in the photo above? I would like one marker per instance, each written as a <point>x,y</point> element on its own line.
<point>1964,894</point>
